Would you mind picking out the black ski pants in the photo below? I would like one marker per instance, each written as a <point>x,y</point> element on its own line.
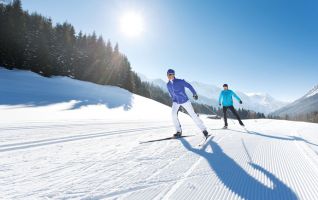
<point>225,108</point>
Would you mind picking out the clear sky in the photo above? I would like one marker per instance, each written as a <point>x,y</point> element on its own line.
<point>255,46</point>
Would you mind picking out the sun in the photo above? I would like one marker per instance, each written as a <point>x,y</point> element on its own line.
<point>131,24</point>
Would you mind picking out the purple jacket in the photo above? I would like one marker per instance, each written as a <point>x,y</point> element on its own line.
<point>176,89</point>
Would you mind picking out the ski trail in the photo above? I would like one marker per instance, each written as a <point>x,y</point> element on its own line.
<point>157,170</point>
<point>167,166</point>
<point>174,188</point>
<point>247,152</point>
<point>307,152</point>
<point>271,162</point>
<point>25,145</point>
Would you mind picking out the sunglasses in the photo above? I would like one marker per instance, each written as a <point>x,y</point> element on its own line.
<point>170,74</point>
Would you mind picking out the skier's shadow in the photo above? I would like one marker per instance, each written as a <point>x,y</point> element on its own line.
<point>236,179</point>
<point>288,138</point>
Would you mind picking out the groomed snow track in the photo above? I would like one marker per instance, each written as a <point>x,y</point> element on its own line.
<point>104,160</point>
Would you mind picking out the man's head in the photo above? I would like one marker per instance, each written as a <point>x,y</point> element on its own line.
<point>225,86</point>
<point>170,74</point>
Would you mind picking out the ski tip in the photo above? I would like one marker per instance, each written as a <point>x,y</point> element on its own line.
<point>210,137</point>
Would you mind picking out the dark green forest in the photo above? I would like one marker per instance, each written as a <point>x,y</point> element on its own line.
<point>33,42</point>
<point>308,117</point>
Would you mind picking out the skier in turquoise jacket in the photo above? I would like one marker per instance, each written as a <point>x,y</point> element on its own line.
<point>226,99</point>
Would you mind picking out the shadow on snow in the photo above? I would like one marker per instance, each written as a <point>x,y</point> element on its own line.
<point>236,179</point>
<point>288,138</point>
<point>31,90</point>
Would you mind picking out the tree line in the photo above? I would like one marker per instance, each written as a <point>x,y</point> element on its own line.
<point>32,42</point>
<point>243,113</point>
<point>308,117</point>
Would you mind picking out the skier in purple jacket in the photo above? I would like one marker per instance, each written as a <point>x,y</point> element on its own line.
<point>176,88</point>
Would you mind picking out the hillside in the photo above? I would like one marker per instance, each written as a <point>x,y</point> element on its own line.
<point>302,106</point>
<point>68,139</point>
<point>59,98</point>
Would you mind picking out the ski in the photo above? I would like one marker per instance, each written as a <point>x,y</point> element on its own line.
<point>205,141</point>
<point>246,129</point>
<point>167,138</point>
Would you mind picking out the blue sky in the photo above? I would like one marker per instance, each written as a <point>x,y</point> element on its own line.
<point>255,46</point>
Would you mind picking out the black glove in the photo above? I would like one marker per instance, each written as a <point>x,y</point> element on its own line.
<point>241,102</point>
<point>220,104</point>
<point>195,97</point>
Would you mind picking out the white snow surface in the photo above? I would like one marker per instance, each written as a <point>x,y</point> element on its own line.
<point>77,140</point>
<point>26,96</point>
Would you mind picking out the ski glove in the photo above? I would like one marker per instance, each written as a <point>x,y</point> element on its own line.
<point>219,104</point>
<point>195,97</point>
<point>241,102</point>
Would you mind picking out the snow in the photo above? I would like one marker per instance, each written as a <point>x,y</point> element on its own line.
<point>302,106</point>
<point>255,94</point>
<point>312,92</point>
<point>54,146</point>
<point>62,98</point>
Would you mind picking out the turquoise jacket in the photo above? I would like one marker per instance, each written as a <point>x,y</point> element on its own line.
<point>226,97</point>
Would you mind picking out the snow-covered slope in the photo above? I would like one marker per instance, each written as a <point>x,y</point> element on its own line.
<point>63,97</point>
<point>209,94</point>
<point>54,146</point>
<point>306,104</point>
<point>312,92</point>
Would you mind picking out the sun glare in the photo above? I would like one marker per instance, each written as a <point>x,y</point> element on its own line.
<point>131,24</point>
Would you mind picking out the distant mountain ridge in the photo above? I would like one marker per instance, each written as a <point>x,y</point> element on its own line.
<point>306,104</point>
<point>209,94</point>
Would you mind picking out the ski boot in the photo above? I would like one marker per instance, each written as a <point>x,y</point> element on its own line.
<point>205,133</point>
<point>224,127</point>
<point>177,134</point>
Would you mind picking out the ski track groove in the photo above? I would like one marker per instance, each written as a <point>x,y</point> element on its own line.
<point>185,175</point>
<point>123,182</point>
<point>147,175</point>
<point>80,170</point>
<point>71,125</point>
<point>260,177</point>
<point>19,146</point>
<point>308,152</point>
<point>163,169</point>
<point>305,151</point>
<point>138,174</point>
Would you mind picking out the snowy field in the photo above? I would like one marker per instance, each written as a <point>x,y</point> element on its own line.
<point>67,139</point>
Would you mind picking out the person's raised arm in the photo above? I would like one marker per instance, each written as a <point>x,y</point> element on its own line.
<point>237,97</point>
<point>188,85</point>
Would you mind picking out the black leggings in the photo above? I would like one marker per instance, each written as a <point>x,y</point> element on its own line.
<point>233,111</point>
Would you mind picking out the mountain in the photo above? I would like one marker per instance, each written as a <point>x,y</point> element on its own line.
<point>265,102</point>
<point>67,139</point>
<point>209,94</point>
<point>306,104</point>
